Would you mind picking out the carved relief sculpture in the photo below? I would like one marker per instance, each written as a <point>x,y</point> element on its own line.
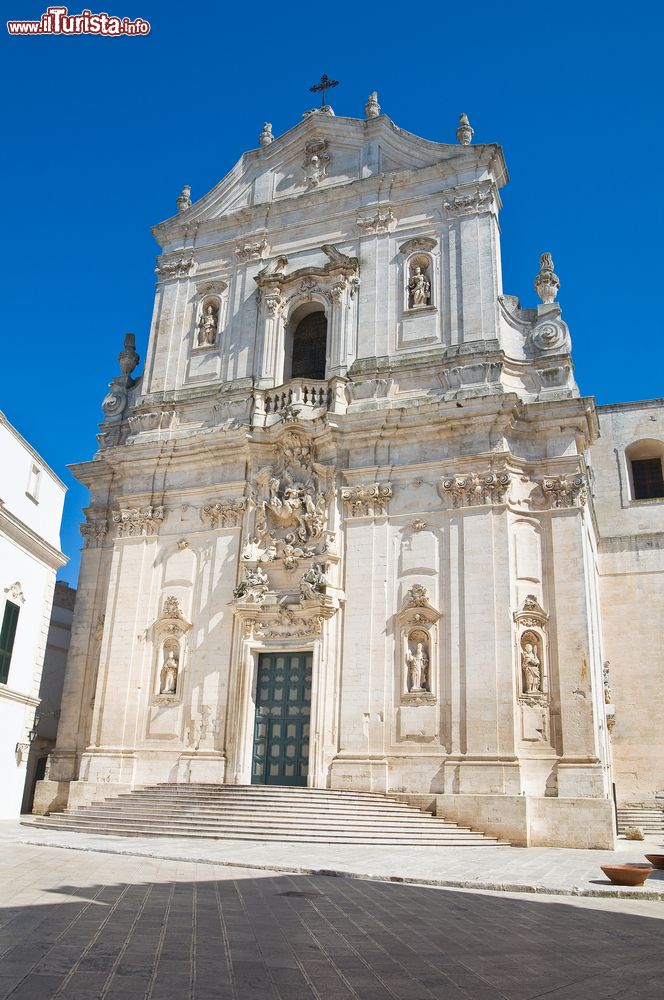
<point>254,587</point>
<point>316,162</point>
<point>313,583</point>
<point>291,498</point>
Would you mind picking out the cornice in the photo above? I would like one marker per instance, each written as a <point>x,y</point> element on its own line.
<point>9,694</point>
<point>188,224</point>
<point>29,540</point>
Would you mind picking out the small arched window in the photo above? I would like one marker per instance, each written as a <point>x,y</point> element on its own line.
<point>645,460</point>
<point>306,345</point>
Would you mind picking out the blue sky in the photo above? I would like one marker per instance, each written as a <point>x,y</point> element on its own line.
<point>102,133</point>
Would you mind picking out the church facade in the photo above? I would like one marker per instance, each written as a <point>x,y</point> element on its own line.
<point>355,526</point>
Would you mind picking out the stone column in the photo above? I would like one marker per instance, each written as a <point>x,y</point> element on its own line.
<point>579,771</point>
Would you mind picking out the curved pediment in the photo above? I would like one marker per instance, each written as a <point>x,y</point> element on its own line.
<point>323,152</point>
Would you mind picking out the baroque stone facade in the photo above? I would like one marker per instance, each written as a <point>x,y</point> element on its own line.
<point>348,445</point>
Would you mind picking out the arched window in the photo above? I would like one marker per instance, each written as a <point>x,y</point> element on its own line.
<point>306,345</point>
<point>645,461</point>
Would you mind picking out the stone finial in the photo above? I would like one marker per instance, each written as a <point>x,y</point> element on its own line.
<point>547,283</point>
<point>465,132</point>
<point>128,358</point>
<point>266,137</point>
<point>372,107</point>
<point>184,199</point>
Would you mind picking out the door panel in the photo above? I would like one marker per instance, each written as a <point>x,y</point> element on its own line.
<point>281,733</point>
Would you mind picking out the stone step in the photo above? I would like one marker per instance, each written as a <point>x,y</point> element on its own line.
<point>228,828</point>
<point>255,819</point>
<point>264,813</point>
<point>461,840</point>
<point>274,822</point>
<point>296,808</point>
<point>263,801</point>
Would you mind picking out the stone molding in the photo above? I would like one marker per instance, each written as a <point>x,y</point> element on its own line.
<point>284,624</point>
<point>474,489</point>
<point>136,521</point>
<point>367,501</point>
<point>225,513</point>
<point>418,244</point>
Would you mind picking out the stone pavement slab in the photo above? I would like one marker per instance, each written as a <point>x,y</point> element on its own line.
<point>515,869</point>
<point>99,926</point>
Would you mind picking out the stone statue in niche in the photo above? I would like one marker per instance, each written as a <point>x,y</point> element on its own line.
<point>207,326</point>
<point>417,664</point>
<point>169,673</point>
<point>313,583</point>
<point>531,666</point>
<point>419,286</point>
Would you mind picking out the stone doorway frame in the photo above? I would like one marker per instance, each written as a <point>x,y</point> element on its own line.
<point>241,715</point>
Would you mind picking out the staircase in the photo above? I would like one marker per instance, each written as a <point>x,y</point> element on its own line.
<point>649,818</point>
<point>263,812</point>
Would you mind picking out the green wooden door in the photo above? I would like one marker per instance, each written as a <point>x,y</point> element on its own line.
<point>283,706</point>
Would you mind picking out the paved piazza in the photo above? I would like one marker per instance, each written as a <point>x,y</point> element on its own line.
<point>86,924</point>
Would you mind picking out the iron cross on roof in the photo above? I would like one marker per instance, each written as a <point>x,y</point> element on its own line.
<point>325,84</point>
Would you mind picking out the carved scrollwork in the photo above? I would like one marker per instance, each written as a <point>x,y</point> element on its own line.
<point>418,244</point>
<point>381,222</point>
<point>225,513</point>
<point>457,205</point>
<point>94,532</point>
<point>135,521</point>
<point>417,597</point>
<point>316,162</point>
<point>252,251</point>
<point>551,334</point>
<point>179,267</point>
<point>566,491</point>
<point>367,501</point>
<point>15,593</point>
<point>474,489</point>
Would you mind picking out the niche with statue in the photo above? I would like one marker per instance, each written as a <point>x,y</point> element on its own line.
<point>169,641</point>
<point>532,679</point>
<point>419,262</point>
<point>417,656</point>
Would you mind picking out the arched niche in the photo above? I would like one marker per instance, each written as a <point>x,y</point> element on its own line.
<point>305,342</point>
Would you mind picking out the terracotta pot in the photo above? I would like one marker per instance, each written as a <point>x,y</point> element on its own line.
<point>656,860</point>
<point>629,874</point>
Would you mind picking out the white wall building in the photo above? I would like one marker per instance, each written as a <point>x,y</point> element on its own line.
<point>50,688</point>
<point>31,502</point>
<point>344,530</point>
